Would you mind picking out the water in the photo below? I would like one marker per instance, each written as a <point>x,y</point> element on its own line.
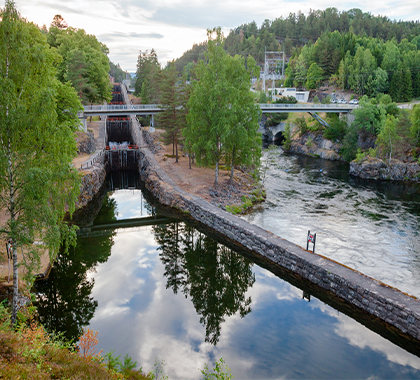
<point>369,226</point>
<point>169,292</point>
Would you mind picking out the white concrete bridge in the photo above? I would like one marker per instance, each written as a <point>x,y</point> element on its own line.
<point>152,109</point>
<point>110,110</point>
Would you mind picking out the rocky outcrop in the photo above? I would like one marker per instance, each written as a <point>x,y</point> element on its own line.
<point>92,180</point>
<point>311,144</point>
<point>85,142</point>
<point>375,168</point>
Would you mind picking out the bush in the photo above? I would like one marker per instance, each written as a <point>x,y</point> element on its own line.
<point>274,119</point>
<point>302,126</point>
<point>286,100</point>
<point>326,100</point>
<point>349,149</point>
<point>287,143</point>
<point>337,130</point>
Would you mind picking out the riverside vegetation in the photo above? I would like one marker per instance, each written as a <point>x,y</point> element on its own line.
<point>27,350</point>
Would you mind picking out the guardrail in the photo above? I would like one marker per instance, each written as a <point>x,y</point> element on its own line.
<point>116,107</point>
<point>310,107</point>
<point>88,164</point>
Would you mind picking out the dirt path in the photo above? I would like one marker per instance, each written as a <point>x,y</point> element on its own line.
<point>200,181</point>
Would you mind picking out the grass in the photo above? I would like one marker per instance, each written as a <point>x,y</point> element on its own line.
<point>257,195</point>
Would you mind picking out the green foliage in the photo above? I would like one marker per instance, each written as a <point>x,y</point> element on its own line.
<point>326,100</point>
<point>301,125</point>
<point>415,124</point>
<point>220,371</point>
<point>316,99</point>
<point>112,362</point>
<point>368,116</point>
<point>84,63</point>
<point>4,317</point>
<point>263,98</point>
<point>314,76</point>
<point>286,100</point>
<point>360,156</point>
<point>388,137</point>
<point>116,72</point>
<point>287,142</point>
<point>173,98</point>
<point>349,148</point>
<point>37,181</point>
<point>337,130</point>
<point>310,142</point>
<point>147,77</point>
<point>222,117</point>
<point>245,205</point>
<point>275,118</point>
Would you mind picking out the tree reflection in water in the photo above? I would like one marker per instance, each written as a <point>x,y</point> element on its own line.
<point>64,299</point>
<point>215,277</point>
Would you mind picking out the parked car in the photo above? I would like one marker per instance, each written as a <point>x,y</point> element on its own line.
<point>354,101</point>
<point>341,101</point>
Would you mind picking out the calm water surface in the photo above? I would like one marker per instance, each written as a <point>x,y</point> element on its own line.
<point>171,293</point>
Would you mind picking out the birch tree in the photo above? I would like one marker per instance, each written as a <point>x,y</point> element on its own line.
<point>222,117</point>
<point>38,117</point>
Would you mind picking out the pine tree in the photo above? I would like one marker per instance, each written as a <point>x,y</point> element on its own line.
<point>395,89</point>
<point>406,86</point>
<point>172,119</point>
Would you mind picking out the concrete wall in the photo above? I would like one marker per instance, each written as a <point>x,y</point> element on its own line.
<point>389,305</point>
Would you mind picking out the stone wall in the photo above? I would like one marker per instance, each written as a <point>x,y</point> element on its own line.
<point>312,144</point>
<point>92,180</point>
<point>389,305</point>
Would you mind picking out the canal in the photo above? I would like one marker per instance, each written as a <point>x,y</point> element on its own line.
<point>168,291</point>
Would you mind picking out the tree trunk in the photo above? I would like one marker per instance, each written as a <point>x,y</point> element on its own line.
<point>232,170</point>
<point>176,150</point>
<point>232,166</point>
<point>216,174</point>
<point>15,285</point>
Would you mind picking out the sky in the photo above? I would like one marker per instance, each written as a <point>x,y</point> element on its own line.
<point>171,27</point>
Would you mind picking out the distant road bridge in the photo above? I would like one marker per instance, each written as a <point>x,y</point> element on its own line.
<point>111,110</point>
<point>153,109</point>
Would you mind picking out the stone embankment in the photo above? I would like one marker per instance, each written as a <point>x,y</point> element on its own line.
<point>395,170</point>
<point>92,180</point>
<point>395,309</point>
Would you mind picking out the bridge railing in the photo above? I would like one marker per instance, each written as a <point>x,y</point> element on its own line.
<point>111,107</point>
<point>306,106</point>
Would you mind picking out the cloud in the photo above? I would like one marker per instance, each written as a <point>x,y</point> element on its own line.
<point>114,36</point>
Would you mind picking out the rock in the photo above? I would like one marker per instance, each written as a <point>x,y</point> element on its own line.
<point>85,142</point>
<point>375,168</point>
<point>312,144</point>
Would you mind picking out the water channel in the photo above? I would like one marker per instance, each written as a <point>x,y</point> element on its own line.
<point>170,292</point>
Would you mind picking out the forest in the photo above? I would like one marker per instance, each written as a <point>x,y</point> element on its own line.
<point>352,50</point>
